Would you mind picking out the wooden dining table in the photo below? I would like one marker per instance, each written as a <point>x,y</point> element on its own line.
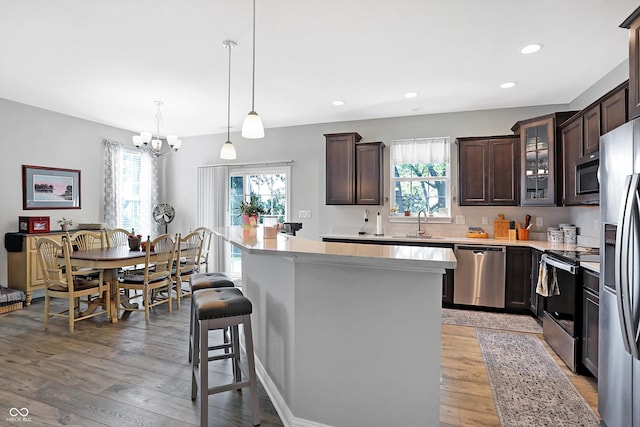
<point>110,260</point>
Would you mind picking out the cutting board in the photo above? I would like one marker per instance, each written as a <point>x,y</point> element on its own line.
<point>501,228</point>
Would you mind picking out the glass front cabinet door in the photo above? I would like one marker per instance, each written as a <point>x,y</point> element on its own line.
<point>538,159</point>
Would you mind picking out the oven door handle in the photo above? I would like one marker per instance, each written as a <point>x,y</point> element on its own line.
<point>559,264</point>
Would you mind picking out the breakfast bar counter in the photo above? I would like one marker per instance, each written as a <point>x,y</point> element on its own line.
<point>345,334</point>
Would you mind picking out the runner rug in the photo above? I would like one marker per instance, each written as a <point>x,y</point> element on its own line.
<point>490,320</point>
<point>529,389</point>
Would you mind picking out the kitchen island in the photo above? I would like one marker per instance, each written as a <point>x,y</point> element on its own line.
<point>345,334</point>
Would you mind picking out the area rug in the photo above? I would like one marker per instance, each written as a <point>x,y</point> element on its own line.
<point>529,389</point>
<point>490,320</point>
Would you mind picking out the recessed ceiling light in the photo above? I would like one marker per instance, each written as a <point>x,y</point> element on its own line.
<point>338,102</point>
<point>531,48</point>
<point>411,94</point>
<point>507,85</point>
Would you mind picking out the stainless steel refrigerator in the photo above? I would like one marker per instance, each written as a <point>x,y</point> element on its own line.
<point>619,350</point>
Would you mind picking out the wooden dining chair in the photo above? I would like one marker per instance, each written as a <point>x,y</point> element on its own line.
<point>187,263</point>
<point>153,281</point>
<point>84,240</point>
<point>117,237</point>
<point>61,281</point>
<point>206,246</point>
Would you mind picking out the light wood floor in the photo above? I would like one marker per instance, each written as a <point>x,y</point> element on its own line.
<point>465,393</point>
<point>135,373</point>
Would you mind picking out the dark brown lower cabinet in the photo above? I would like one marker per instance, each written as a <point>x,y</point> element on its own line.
<point>518,279</point>
<point>590,319</point>
<point>536,302</point>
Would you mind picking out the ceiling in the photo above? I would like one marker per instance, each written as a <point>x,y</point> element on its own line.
<point>108,60</point>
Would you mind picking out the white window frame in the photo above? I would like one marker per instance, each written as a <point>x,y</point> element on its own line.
<point>399,216</point>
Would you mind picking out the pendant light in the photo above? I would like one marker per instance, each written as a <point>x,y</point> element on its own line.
<point>228,151</point>
<point>252,126</point>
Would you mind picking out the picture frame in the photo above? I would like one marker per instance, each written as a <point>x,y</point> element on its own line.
<point>50,188</point>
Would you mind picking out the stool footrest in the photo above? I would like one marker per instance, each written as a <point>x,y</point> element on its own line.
<point>222,356</point>
<point>228,387</point>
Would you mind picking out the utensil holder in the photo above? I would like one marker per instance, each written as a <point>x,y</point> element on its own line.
<point>523,234</point>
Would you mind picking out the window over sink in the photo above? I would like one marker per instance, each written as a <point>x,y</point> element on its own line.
<point>420,177</point>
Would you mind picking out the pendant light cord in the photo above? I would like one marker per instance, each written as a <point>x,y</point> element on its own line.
<point>229,96</point>
<point>253,78</point>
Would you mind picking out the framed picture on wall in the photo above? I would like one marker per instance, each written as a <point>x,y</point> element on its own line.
<point>50,188</point>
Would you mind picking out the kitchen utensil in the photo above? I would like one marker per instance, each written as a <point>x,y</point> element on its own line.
<point>527,221</point>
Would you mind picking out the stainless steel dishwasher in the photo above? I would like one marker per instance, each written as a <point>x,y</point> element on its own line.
<point>479,276</point>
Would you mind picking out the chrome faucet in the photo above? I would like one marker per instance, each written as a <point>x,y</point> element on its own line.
<point>420,232</point>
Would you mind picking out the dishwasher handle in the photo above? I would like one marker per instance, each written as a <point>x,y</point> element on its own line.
<point>480,249</point>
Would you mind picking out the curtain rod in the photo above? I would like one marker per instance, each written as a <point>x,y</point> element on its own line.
<point>276,163</point>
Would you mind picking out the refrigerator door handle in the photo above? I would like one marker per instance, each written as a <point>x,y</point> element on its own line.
<point>622,264</point>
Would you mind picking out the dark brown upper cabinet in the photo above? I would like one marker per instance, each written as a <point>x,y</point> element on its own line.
<point>633,24</point>
<point>540,159</point>
<point>488,170</point>
<point>613,108</point>
<point>354,174</point>
<point>580,140</point>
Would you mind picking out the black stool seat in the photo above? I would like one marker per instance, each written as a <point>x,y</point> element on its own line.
<point>220,302</point>
<point>210,280</point>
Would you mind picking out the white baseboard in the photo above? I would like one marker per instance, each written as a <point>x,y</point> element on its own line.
<point>278,401</point>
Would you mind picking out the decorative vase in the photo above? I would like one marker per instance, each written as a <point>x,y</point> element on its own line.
<point>249,220</point>
<point>65,227</point>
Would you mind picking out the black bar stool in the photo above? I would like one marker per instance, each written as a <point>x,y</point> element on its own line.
<point>219,308</point>
<point>200,281</point>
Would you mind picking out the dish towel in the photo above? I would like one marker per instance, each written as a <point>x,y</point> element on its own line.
<point>543,287</point>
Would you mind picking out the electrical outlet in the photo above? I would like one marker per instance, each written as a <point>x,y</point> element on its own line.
<point>305,214</point>
<point>485,220</point>
<point>460,219</point>
<point>539,221</point>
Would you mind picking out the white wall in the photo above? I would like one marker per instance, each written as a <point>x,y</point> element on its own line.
<point>33,136</point>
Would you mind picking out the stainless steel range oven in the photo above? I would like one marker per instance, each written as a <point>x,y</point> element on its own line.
<point>562,319</point>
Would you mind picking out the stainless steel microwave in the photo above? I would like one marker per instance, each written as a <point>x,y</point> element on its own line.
<point>587,174</point>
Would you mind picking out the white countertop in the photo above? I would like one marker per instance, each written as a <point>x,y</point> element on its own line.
<point>252,240</point>
<point>541,245</point>
<point>593,266</point>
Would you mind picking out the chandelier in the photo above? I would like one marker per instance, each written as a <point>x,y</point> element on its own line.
<point>157,144</point>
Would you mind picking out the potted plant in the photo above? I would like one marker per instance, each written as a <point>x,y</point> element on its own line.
<point>65,224</point>
<point>250,210</point>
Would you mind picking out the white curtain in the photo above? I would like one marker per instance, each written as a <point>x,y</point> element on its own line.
<point>117,189</point>
<point>211,207</point>
<point>421,150</point>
